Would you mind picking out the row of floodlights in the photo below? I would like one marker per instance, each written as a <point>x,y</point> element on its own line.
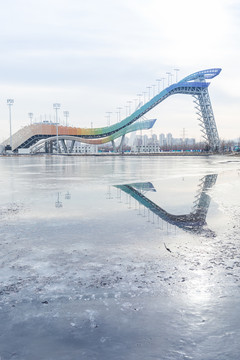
<point>144,95</point>
<point>56,106</point>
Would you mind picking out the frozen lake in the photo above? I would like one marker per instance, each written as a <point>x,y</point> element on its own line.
<point>119,258</point>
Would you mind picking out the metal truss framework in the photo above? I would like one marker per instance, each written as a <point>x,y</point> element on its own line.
<point>205,116</point>
<point>194,84</point>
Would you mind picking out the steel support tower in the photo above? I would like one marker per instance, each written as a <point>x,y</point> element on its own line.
<point>206,117</point>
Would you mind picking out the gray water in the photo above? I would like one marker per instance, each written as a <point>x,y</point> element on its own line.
<point>88,271</point>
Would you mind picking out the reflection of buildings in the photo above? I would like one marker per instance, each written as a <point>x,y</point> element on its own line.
<point>194,222</point>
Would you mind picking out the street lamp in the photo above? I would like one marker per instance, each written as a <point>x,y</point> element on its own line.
<point>139,98</point>
<point>57,106</point>
<point>129,102</point>
<point>135,104</point>
<point>144,96</point>
<point>119,111</point>
<point>108,117</point>
<point>66,115</point>
<point>10,102</point>
<point>154,85</point>
<point>158,81</point>
<point>30,115</point>
<point>168,74</point>
<point>149,92</point>
<point>176,70</point>
<point>163,82</point>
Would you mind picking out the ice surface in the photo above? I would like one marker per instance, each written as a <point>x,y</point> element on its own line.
<point>93,279</point>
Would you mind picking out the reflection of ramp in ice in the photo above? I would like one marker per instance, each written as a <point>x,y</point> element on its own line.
<point>143,186</point>
<point>194,222</point>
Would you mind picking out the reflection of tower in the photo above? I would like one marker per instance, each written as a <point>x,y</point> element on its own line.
<point>58,203</point>
<point>193,222</point>
<point>202,202</point>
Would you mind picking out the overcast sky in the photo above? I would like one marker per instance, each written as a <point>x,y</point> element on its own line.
<point>93,56</point>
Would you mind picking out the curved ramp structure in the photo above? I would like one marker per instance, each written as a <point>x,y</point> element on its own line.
<point>143,125</point>
<point>194,84</point>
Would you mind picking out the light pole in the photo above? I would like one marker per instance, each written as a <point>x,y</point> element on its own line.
<point>158,82</point>
<point>135,104</point>
<point>66,115</point>
<point>176,70</point>
<point>144,96</point>
<point>149,92</point>
<point>108,117</point>
<point>30,115</point>
<point>154,85</point>
<point>163,82</point>
<point>10,102</point>
<point>168,74</point>
<point>139,98</point>
<point>119,111</point>
<point>129,102</point>
<point>57,106</point>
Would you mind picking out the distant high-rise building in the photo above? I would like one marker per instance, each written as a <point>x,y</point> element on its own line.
<point>190,141</point>
<point>145,140</point>
<point>169,139</point>
<point>162,140</point>
<point>132,138</point>
<point>152,144</point>
<point>176,141</point>
<point>154,139</point>
<point>137,140</point>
